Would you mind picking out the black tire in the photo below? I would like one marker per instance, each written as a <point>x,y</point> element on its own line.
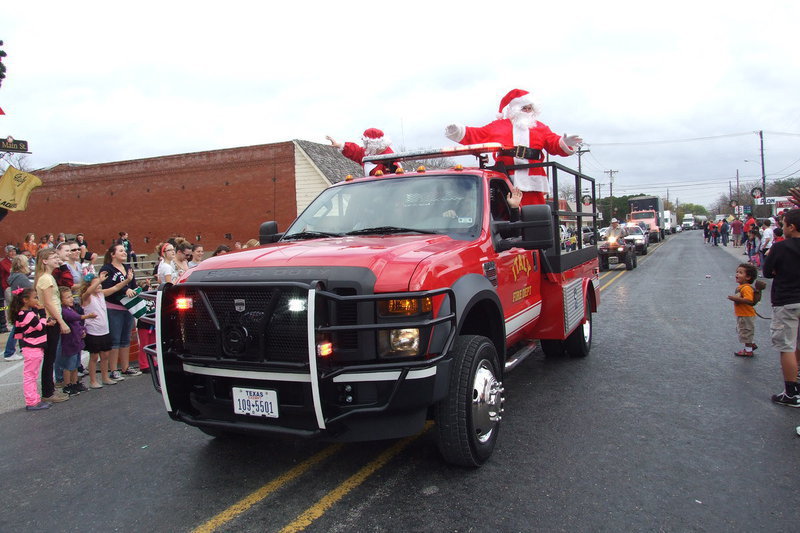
<point>468,418</point>
<point>644,249</point>
<point>635,261</point>
<point>603,264</point>
<point>629,260</point>
<point>552,348</point>
<point>579,342</point>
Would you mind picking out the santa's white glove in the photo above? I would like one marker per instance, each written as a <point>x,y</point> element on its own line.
<point>455,132</point>
<point>570,142</point>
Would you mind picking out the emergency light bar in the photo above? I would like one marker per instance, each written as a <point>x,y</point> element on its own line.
<point>450,151</point>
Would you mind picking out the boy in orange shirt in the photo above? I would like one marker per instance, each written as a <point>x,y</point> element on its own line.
<point>743,306</point>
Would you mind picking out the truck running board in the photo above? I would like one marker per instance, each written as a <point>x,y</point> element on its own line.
<point>519,356</point>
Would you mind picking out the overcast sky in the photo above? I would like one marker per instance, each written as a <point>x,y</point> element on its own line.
<point>106,81</point>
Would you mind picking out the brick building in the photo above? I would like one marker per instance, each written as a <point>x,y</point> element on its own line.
<point>215,197</point>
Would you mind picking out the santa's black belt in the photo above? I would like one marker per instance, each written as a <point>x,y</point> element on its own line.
<point>521,152</point>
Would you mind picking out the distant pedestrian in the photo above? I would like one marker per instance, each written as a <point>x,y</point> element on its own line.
<point>30,325</point>
<point>197,255</point>
<point>783,265</point>
<point>737,229</point>
<point>221,250</point>
<point>767,235</point>
<point>753,244</point>
<point>724,229</point>
<point>743,307</point>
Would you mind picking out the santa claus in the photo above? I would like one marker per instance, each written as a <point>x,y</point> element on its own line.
<point>375,143</point>
<point>517,126</point>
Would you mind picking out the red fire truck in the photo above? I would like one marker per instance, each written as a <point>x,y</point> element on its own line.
<point>389,301</point>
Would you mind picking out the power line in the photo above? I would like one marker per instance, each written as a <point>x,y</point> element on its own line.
<point>694,139</point>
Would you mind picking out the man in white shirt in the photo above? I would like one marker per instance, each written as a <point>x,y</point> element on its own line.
<point>767,237</point>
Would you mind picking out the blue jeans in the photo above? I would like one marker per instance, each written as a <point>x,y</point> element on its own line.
<point>120,324</point>
<point>59,370</point>
<point>11,345</point>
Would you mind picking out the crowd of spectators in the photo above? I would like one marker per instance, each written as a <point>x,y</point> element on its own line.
<point>67,303</point>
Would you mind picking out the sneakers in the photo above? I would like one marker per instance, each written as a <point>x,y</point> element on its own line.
<point>57,397</point>
<point>38,407</point>
<point>785,399</point>
<point>744,353</point>
<point>131,372</point>
<point>116,375</point>
<point>80,387</point>
<point>71,390</point>
<point>15,357</point>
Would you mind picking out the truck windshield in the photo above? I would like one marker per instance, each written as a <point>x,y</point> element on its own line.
<point>429,204</point>
<point>643,215</point>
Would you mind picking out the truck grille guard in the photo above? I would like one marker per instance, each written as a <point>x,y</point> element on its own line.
<point>315,294</point>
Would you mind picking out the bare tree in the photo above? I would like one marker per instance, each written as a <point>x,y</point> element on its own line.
<point>16,160</point>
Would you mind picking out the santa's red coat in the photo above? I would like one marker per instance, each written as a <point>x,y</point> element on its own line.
<point>539,137</point>
<point>356,153</point>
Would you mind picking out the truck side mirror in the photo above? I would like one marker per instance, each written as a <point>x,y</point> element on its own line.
<point>268,232</point>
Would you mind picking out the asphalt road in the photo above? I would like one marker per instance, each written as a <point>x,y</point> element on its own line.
<point>661,428</point>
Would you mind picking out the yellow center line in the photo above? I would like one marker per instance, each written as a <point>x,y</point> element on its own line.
<point>325,503</point>
<point>612,280</point>
<point>248,501</point>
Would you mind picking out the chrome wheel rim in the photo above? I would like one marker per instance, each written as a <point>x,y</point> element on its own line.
<point>487,402</point>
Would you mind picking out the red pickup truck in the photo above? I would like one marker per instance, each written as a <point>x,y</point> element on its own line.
<point>389,301</point>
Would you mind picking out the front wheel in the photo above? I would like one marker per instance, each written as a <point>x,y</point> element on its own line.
<point>468,418</point>
<point>629,258</point>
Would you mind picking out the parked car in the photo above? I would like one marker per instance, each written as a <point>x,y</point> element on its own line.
<point>603,232</point>
<point>638,238</point>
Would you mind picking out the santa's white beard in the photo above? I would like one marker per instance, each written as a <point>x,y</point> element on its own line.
<point>372,147</point>
<point>522,119</point>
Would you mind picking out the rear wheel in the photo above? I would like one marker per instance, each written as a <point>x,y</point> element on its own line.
<point>468,418</point>
<point>603,264</point>
<point>552,347</point>
<point>644,249</point>
<point>579,342</point>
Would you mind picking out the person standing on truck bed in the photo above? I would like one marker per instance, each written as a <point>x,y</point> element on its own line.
<point>518,127</point>
<point>375,143</point>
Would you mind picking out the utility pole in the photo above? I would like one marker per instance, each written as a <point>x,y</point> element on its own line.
<point>763,174</point>
<point>580,151</point>
<point>611,181</point>
<point>738,190</point>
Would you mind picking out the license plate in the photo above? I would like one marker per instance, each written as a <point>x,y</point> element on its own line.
<point>613,260</point>
<point>255,402</point>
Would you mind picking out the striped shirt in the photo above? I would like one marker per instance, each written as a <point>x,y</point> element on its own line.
<point>30,328</point>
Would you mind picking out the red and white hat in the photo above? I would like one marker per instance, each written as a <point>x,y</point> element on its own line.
<point>372,133</point>
<point>515,99</point>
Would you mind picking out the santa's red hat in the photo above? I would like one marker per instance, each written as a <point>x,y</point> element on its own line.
<point>516,98</point>
<point>372,133</point>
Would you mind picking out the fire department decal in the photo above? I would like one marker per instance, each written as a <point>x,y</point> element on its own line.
<point>239,304</point>
<point>522,264</point>
<point>521,293</point>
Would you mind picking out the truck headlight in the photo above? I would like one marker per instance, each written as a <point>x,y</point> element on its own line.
<point>398,342</point>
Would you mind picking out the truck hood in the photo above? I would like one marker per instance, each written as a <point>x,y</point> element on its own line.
<point>392,258</point>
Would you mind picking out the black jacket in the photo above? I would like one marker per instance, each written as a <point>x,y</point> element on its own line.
<point>783,264</point>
